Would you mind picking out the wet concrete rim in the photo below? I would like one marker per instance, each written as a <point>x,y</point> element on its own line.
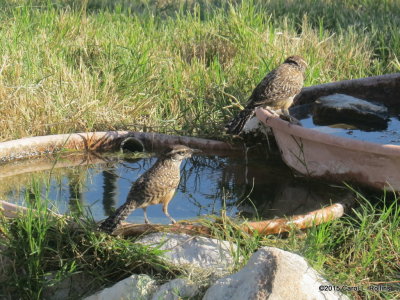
<point>105,141</point>
<point>310,134</point>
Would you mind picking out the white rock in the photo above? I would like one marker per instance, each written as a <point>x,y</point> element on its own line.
<point>295,277</point>
<point>176,289</point>
<point>254,281</point>
<point>131,288</point>
<point>200,252</point>
<point>272,273</point>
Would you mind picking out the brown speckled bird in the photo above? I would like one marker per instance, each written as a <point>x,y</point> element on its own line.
<point>157,185</point>
<point>276,91</point>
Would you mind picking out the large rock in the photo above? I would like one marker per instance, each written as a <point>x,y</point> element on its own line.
<point>254,281</point>
<point>194,252</point>
<point>272,273</point>
<point>340,108</point>
<point>198,254</point>
<point>131,288</point>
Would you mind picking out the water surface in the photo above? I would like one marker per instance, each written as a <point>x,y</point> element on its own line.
<point>254,185</point>
<point>391,135</point>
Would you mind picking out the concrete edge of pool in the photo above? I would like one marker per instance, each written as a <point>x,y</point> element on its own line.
<point>106,141</point>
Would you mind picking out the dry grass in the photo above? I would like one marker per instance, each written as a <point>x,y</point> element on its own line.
<point>165,66</point>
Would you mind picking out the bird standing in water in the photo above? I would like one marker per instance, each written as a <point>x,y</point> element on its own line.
<point>156,186</point>
<point>276,91</point>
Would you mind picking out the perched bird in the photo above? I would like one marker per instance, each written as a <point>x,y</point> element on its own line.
<point>157,185</point>
<point>276,91</point>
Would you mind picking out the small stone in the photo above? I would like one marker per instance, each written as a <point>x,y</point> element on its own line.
<point>131,288</point>
<point>253,126</point>
<point>176,289</point>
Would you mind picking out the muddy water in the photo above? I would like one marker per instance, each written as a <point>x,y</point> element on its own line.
<point>256,185</point>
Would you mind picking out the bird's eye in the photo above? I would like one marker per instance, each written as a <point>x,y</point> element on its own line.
<point>181,153</point>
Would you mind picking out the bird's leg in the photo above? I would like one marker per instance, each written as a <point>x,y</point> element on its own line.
<point>146,220</point>
<point>165,210</point>
<point>285,115</point>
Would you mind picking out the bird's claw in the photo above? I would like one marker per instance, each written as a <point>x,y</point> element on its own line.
<point>290,119</point>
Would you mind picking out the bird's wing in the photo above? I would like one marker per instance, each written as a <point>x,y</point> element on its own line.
<point>283,82</point>
<point>261,89</point>
<point>145,190</point>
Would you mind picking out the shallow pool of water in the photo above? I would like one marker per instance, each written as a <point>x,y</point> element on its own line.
<point>258,184</point>
<point>391,135</point>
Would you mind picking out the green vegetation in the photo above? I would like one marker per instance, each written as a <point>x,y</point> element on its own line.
<point>173,66</point>
<point>359,250</point>
<point>181,67</point>
<point>45,249</point>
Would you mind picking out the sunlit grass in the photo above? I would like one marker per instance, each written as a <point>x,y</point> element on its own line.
<point>173,66</point>
<point>182,67</point>
<point>359,250</point>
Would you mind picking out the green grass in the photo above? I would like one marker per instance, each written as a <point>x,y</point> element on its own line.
<point>181,67</point>
<point>173,66</point>
<point>45,250</point>
<point>359,250</point>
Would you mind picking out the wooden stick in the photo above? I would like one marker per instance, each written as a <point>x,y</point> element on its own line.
<point>266,227</point>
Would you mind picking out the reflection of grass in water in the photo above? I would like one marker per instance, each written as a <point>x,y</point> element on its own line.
<point>72,182</point>
<point>23,182</point>
<point>225,192</point>
<point>45,250</point>
<point>74,165</point>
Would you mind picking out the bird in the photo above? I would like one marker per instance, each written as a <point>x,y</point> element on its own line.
<point>276,91</point>
<point>157,185</point>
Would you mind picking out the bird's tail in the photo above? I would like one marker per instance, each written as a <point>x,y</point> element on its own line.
<point>236,125</point>
<point>113,221</point>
